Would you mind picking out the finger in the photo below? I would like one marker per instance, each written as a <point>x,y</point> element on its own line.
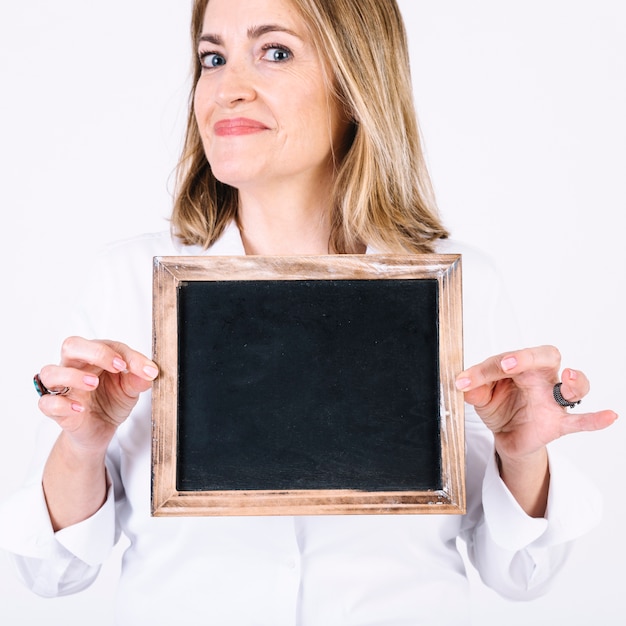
<point>139,371</point>
<point>137,363</point>
<point>59,408</point>
<point>107,355</point>
<point>508,364</point>
<point>78,352</point>
<point>57,377</point>
<point>582,422</point>
<point>574,385</point>
<point>481,396</point>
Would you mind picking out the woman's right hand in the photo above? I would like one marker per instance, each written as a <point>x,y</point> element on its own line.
<point>105,379</point>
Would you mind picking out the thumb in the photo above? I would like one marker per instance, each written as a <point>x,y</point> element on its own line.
<point>582,422</point>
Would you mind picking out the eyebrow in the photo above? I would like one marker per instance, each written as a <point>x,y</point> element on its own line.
<point>254,32</point>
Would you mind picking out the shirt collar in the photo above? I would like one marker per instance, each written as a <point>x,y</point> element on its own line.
<point>230,244</point>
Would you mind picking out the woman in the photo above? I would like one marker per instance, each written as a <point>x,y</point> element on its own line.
<point>301,140</point>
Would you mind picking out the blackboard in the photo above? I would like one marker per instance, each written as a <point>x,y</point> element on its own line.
<point>308,385</point>
<point>316,385</point>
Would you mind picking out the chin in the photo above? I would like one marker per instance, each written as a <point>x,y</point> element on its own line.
<point>231,176</point>
<point>232,181</point>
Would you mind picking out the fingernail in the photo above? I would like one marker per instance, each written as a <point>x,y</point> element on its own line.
<point>77,407</point>
<point>150,371</point>
<point>118,364</point>
<point>463,383</point>
<point>573,375</point>
<point>90,381</point>
<point>509,363</point>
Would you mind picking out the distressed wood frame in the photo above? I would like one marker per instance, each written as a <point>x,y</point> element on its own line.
<point>170,272</point>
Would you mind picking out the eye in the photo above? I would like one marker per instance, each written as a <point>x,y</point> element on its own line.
<point>276,53</point>
<point>211,59</point>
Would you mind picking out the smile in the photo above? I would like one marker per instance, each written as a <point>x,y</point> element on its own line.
<point>238,126</point>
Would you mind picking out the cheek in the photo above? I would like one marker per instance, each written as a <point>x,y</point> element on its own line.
<point>321,122</point>
<point>201,106</point>
<point>197,104</point>
<point>202,116</point>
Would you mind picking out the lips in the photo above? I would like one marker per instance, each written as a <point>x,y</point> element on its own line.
<point>238,126</point>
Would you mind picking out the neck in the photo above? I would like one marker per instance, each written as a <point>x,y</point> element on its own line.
<point>284,224</point>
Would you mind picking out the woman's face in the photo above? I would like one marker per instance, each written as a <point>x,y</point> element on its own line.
<point>264,111</point>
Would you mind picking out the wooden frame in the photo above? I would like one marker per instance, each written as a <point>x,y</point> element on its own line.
<point>174,276</point>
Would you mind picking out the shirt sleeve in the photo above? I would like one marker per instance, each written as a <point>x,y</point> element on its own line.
<point>55,563</point>
<point>516,555</point>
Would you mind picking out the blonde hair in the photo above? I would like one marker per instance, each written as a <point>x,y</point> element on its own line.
<point>382,194</point>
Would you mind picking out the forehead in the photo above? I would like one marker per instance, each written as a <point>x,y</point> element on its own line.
<point>242,14</point>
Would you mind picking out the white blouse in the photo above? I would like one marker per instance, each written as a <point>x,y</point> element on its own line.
<point>285,571</point>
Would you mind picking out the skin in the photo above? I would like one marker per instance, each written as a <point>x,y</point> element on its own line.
<point>512,393</point>
<point>106,380</point>
<point>253,141</point>
<point>263,73</point>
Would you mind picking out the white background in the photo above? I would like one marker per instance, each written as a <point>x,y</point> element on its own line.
<point>522,108</point>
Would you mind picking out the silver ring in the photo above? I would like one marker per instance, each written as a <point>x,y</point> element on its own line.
<point>42,390</point>
<point>560,400</point>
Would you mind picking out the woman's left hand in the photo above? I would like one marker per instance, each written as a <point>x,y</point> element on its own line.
<point>513,395</point>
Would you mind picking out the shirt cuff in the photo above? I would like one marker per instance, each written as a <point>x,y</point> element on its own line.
<point>79,538</point>
<point>26,530</point>
<point>25,526</point>
<point>574,508</point>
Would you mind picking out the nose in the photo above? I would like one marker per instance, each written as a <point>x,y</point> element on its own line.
<point>235,84</point>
